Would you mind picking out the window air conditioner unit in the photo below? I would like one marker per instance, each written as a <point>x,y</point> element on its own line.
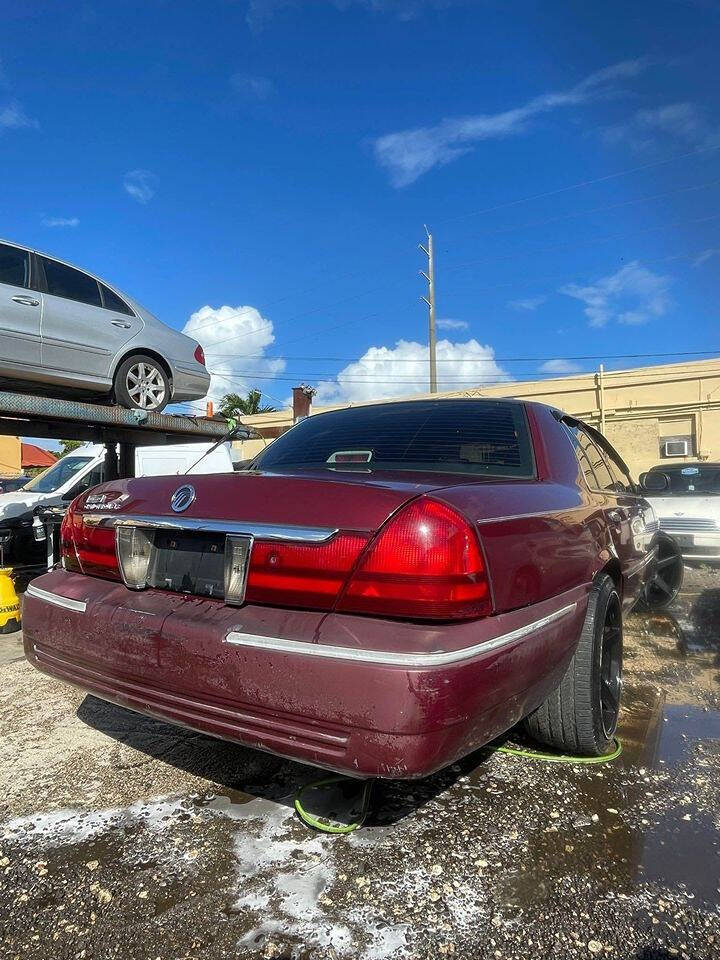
<point>675,448</point>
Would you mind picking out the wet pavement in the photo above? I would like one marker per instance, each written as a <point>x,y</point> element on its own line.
<point>123,837</point>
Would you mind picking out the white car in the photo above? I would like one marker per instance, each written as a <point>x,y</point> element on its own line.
<point>686,500</point>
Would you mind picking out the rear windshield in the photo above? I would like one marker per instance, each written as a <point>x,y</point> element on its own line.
<point>483,437</point>
<point>685,481</point>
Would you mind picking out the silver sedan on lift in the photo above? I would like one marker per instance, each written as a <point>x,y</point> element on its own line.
<point>63,328</point>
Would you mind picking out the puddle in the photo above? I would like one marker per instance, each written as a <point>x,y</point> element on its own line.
<point>623,819</point>
<point>656,734</point>
<point>682,728</point>
<point>640,725</point>
<point>685,855</point>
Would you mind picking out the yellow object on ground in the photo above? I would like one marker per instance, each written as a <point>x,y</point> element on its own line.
<point>9,602</point>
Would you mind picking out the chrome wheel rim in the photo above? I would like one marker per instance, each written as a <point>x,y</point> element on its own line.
<point>145,385</point>
<point>611,667</point>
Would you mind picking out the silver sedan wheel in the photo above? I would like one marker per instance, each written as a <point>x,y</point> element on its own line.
<point>145,385</point>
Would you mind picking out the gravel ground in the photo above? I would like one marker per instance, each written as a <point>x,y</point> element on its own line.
<point>124,837</point>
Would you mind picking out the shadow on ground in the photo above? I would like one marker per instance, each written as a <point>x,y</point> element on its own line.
<point>243,773</point>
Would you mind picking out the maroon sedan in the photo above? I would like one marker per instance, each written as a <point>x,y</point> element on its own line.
<point>386,589</point>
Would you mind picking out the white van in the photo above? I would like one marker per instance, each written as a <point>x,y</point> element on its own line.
<point>83,468</point>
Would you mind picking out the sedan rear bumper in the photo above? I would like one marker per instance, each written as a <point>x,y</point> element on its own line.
<point>359,695</point>
<point>190,382</point>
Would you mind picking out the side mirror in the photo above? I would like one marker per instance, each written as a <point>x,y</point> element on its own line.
<point>654,481</point>
<point>69,496</point>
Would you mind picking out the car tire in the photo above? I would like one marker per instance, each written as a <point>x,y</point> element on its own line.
<point>142,384</point>
<point>580,716</point>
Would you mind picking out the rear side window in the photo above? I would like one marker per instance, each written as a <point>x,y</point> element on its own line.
<point>111,301</point>
<point>605,479</point>
<point>481,437</point>
<point>594,462</point>
<point>64,281</point>
<point>14,266</point>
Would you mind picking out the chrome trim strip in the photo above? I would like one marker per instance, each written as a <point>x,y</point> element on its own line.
<point>55,598</point>
<point>525,516</point>
<point>391,657</point>
<point>260,531</point>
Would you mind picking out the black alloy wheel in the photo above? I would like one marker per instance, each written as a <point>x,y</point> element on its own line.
<point>662,588</point>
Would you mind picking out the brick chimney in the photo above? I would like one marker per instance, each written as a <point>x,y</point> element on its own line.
<point>302,400</point>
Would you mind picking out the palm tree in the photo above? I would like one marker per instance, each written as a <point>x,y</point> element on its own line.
<point>233,405</point>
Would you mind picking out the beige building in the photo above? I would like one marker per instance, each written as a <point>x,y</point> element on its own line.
<point>10,456</point>
<point>665,413</point>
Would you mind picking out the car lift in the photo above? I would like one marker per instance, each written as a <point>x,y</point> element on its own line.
<point>120,430</point>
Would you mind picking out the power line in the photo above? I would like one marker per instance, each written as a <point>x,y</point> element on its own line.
<point>547,278</point>
<point>603,209</point>
<point>248,310</point>
<point>576,243</point>
<point>579,184</point>
<point>596,356</point>
<point>465,379</point>
<point>452,267</point>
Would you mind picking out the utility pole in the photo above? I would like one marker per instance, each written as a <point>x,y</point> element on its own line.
<point>430,301</point>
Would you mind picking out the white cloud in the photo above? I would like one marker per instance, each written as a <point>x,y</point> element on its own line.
<point>13,117</point>
<point>402,370</point>
<point>409,154</point>
<point>528,303</point>
<point>633,295</point>
<point>60,222</point>
<point>677,121</point>
<point>560,366</point>
<point>252,87</point>
<point>140,185</point>
<point>706,255</point>
<point>447,324</point>
<point>234,340</point>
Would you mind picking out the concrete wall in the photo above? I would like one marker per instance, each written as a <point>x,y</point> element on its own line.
<point>637,442</point>
<point>635,408</point>
<point>10,456</point>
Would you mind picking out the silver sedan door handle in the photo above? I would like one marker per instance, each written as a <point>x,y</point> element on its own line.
<point>121,323</point>
<point>27,301</point>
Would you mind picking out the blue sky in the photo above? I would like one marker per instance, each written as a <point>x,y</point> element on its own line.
<point>260,173</point>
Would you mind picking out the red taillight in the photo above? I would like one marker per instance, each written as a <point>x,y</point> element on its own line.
<point>200,354</point>
<point>302,574</point>
<point>426,563</point>
<point>88,548</point>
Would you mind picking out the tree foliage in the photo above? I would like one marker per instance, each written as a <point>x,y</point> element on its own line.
<point>235,405</point>
<point>67,446</point>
